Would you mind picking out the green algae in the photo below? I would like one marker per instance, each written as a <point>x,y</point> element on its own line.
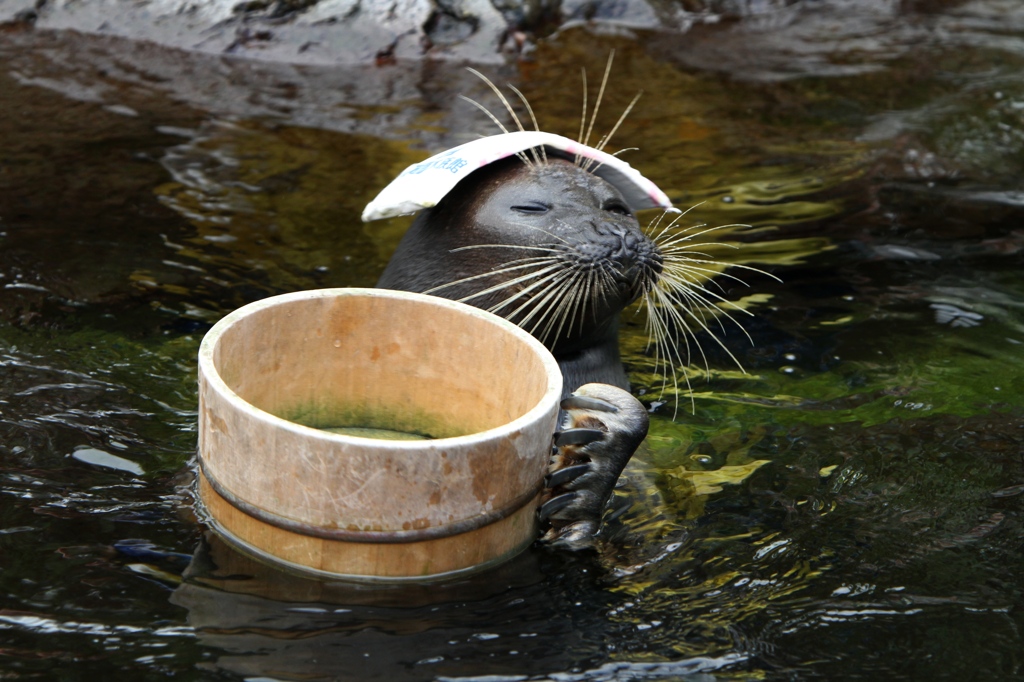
<point>376,433</point>
<point>340,418</point>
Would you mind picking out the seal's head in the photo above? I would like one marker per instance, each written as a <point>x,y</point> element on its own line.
<point>550,246</point>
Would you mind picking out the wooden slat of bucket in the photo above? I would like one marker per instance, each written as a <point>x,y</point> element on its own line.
<point>475,549</point>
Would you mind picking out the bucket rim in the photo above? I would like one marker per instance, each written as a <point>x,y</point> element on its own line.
<point>548,401</point>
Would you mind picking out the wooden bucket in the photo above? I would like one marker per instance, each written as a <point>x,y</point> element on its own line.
<point>275,373</point>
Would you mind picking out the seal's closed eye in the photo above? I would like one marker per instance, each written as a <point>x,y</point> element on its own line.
<point>617,207</point>
<point>532,207</point>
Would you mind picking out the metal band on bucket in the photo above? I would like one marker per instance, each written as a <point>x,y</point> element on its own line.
<point>368,536</point>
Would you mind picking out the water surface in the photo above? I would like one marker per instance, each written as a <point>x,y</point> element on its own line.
<point>846,505</point>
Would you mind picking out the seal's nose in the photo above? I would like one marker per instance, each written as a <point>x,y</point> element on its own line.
<point>639,262</point>
<point>621,243</point>
<point>629,246</point>
<point>632,251</point>
<point>631,259</point>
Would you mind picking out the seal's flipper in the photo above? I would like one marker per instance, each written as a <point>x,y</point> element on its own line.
<point>603,427</point>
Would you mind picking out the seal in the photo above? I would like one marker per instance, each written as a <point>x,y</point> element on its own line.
<point>542,230</point>
<point>558,251</point>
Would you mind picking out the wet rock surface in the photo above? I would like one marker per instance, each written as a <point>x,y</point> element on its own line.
<point>485,31</point>
<point>301,31</point>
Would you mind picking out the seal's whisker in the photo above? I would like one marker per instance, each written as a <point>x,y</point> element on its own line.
<point>583,118</point>
<point>546,249</point>
<point>518,264</point>
<point>682,247</point>
<point>719,341</point>
<point>542,230</point>
<point>599,279</point>
<point>510,283</point>
<point>686,250</point>
<point>676,255</point>
<point>489,274</point>
<point>592,285</point>
<point>653,225</point>
<point>680,294</point>
<point>683,268</point>
<point>544,274</point>
<point>583,286</point>
<point>656,325</point>
<point>555,291</point>
<point>651,275</point>
<point>607,138</point>
<point>604,281</point>
<point>741,266</point>
<point>548,280</point>
<point>606,278</point>
<point>672,223</point>
<point>487,111</point>
<point>688,297</point>
<point>508,107</point>
<point>497,91</point>
<point>667,241</point>
<point>693,306</point>
<point>533,117</point>
<point>529,109</point>
<point>691,277</point>
<point>569,304</point>
<point>679,305</point>
<point>657,330</point>
<point>658,333</point>
<point>547,258</point>
<point>532,260</point>
<point>694,292</point>
<point>562,311</point>
<point>690,272</point>
<point>685,235</point>
<point>667,359</point>
<point>702,304</point>
<point>667,350</point>
<point>556,284</point>
<point>574,312</point>
<point>522,157</point>
<point>600,96</point>
<point>557,310</point>
<point>684,330</point>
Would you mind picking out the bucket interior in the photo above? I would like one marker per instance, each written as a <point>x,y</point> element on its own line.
<point>375,362</point>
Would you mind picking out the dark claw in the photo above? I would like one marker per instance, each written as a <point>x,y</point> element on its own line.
<point>563,476</point>
<point>582,402</point>
<point>588,461</point>
<point>555,504</point>
<point>577,436</point>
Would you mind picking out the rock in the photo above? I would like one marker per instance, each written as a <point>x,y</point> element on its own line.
<point>294,31</point>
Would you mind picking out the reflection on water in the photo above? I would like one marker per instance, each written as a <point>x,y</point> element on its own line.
<point>849,503</point>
